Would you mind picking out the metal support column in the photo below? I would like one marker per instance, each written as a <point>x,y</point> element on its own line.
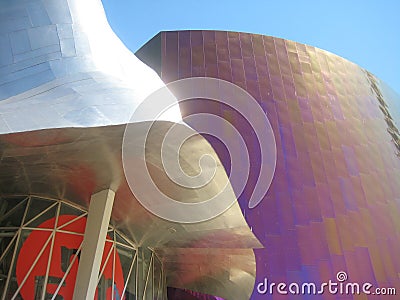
<point>93,244</point>
<point>144,275</point>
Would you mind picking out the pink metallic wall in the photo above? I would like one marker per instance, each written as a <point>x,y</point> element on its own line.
<point>334,203</point>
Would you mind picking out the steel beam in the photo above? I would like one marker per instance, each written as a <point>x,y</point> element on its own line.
<point>93,244</point>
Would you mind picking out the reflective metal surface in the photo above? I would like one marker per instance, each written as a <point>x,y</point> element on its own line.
<point>334,202</point>
<point>61,65</point>
<point>73,163</point>
<point>67,87</point>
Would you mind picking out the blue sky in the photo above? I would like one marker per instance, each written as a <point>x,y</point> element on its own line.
<point>364,31</point>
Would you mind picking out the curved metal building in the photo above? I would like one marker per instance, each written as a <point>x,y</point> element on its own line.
<point>334,202</point>
<point>70,226</point>
<point>72,222</point>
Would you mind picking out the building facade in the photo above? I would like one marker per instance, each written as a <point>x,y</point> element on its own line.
<point>74,226</point>
<point>70,225</point>
<point>333,205</point>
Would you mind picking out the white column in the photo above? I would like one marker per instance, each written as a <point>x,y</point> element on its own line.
<point>99,215</point>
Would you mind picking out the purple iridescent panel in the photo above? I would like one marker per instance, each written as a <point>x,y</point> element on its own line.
<point>334,202</point>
